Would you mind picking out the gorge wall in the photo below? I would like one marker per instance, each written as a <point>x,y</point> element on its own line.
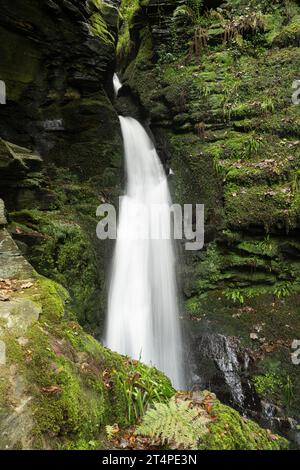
<point>57,60</point>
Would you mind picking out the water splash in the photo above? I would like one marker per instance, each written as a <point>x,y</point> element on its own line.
<point>117,84</point>
<point>143,316</point>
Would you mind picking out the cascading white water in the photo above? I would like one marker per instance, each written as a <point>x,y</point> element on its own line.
<point>143,316</point>
<point>117,84</point>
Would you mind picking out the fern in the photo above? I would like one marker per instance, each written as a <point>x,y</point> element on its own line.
<point>183,12</point>
<point>174,424</point>
<point>109,431</point>
<point>235,295</point>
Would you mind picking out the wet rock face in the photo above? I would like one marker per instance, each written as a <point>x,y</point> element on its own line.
<point>57,60</point>
<point>3,220</point>
<point>60,140</point>
<point>222,365</point>
<point>12,262</point>
<point>20,176</point>
<point>274,417</point>
<point>159,13</point>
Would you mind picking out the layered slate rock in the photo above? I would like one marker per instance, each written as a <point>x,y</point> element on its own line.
<point>21,180</point>
<point>12,263</point>
<point>3,220</point>
<point>57,60</point>
<point>61,147</point>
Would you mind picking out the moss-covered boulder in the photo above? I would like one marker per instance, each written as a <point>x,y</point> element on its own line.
<point>231,431</point>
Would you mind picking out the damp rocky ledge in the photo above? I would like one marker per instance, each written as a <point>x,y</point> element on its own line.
<point>61,156</point>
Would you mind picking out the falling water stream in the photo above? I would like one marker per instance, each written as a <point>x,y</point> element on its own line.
<point>117,84</point>
<point>143,316</point>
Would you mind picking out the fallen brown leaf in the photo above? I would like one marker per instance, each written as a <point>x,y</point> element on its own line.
<point>51,390</point>
<point>26,285</point>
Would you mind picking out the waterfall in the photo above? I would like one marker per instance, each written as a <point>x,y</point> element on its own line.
<point>117,84</point>
<point>143,314</point>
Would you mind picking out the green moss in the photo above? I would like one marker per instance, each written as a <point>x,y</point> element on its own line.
<point>14,351</point>
<point>97,20</point>
<point>230,431</point>
<point>125,46</point>
<point>143,56</point>
<point>76,408</point>
<point>19,61</point>
<point>65,251</point>
<point>52,296</point>
<point>4,394</point>
<point>290,34</point>
<point>268,384</point>
<point>259,205</point>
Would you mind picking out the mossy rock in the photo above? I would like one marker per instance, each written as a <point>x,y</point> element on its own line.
<point>290,34</point>
<point>60,239</point>
<point>231,431</point>
<point>60,384</point>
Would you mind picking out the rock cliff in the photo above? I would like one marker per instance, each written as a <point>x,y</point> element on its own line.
<point>61,139</point>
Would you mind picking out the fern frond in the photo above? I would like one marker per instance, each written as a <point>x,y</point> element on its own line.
<point>175,424</point>
<point>184,11</point>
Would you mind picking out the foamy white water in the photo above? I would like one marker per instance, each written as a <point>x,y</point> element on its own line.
<point>143,315</point>
<point>117,84</point>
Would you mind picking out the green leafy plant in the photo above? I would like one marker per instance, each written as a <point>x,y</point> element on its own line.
<point>219,168</point>
<point>235,295</point>
<point>238,26</point>
<point>183,13</point>
<point>274,386</point>
<point>267,105</point>
<point>110,430</point>
<point>296,181</point>
<point>267,384</point>
<point>283,289</point>
<point>164,56</point>
<point>195,6</point>
<point>175,424</point>
<point>253,146</point>
<point>205,89</point>
<point>267,246</point>
<point>191,13</point>
<point>142,387</point>
<point>288,389</point>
